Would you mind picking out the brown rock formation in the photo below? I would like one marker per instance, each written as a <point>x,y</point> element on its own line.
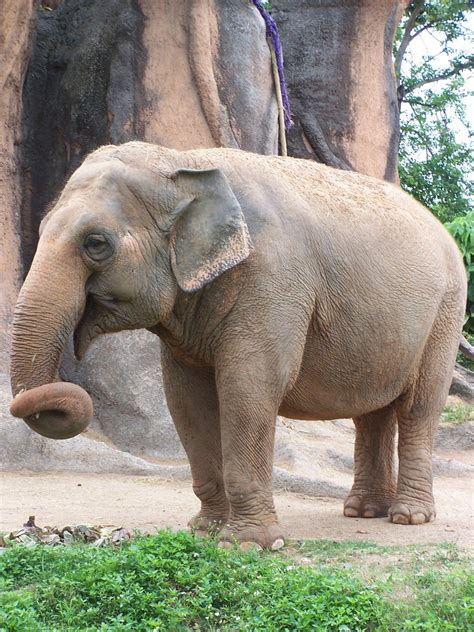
<point>183,74</point>
<point>338,60</point>
<point>15,35</point>
<point>214,86</point>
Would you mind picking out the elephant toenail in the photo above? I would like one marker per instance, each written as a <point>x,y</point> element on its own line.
<point>418,518</point>
<point>399,519</point>
<point>251,546</point>
<point>278,544</point>
<point>350,512</point>
<point>224,545</point>
<point>370,513</point>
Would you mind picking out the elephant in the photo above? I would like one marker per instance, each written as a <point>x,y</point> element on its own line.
<point>276,286</point>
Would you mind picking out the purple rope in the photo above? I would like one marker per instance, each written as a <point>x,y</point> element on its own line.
<point>272,33</point>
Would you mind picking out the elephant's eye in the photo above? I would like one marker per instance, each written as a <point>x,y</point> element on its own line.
<point>98,247</point>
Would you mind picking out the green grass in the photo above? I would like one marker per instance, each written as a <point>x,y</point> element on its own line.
<point>179,582</point>
<point>459,413</point>
<point>423,587</point>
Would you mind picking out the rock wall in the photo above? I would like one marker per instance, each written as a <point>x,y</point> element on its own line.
<point>16,28</point>
<point>172,73</point>
<point>341,84</point>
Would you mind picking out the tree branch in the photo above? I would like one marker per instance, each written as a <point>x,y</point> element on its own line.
<point>415,101</point>
<point>439,77</point>
<point>410,25</point>
<point>422,29</point>
<point>462,384</point>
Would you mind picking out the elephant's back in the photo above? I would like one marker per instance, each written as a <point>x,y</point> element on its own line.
<point>344,196</point>
<point>371,219</point>
<point>351,215</point>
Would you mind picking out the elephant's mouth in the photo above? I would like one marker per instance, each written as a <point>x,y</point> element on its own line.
<point>99,317</point>
<point>103,314</point>
<point>83,335</point>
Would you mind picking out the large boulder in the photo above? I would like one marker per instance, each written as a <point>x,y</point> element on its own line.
<point>122,373</point>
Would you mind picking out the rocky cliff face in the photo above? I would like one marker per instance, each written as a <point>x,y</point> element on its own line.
<point>184,74</point>
<point>338,60</point>
<point>16,29</point>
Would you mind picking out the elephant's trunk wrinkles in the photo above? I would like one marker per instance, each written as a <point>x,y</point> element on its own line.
<point>50,304</point>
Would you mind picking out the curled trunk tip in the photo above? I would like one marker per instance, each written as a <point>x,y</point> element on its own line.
<point>59,410</point>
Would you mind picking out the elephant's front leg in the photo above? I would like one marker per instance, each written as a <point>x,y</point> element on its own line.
<point>192,399</point>
<point>248,406</point>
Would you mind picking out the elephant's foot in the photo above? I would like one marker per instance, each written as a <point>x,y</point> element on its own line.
<point>207,524</point>
<point>251,536</point>
<point>214,508</point>
<point>367,504</point>
<point>405,511</point>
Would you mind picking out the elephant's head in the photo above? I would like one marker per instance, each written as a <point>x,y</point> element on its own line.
<point>130,230</point>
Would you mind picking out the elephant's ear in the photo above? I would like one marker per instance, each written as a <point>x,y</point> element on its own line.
<point>209,233</point>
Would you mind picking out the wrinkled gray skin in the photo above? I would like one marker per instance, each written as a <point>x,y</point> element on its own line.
<point>276,286</point>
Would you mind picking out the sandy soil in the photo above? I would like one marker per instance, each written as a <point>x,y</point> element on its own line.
<point>146,503</point>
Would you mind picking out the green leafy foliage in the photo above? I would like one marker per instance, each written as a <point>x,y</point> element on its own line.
<point>436,163</point>
<point>436,160</point>
<point>434,166</point>
<point>179,582</point>
<point>462,229</point>
<point>173,582</point>
<point>459,413</point>
<point>424,587</point>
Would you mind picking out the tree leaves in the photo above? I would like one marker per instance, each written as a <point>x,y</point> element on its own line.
<point>436,161</point>
<point>462,229</point>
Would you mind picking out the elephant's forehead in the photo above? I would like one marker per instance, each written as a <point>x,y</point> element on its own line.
<point>91,192</point>
<point>83,207</point>
<point>73,220</point>
<point>96,176</point>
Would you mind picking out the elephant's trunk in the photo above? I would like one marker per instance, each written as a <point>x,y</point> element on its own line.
<point>50,304</point>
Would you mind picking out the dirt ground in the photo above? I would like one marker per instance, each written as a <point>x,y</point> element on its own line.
<point>147,503</point>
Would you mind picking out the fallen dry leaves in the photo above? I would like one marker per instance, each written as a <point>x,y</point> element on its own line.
<point>31,535</point>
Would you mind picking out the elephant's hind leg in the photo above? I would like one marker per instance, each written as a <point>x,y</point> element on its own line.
<point>418,413</point>
<point>374,485</point>
<point>414,503</point>
<point>192,399</point>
